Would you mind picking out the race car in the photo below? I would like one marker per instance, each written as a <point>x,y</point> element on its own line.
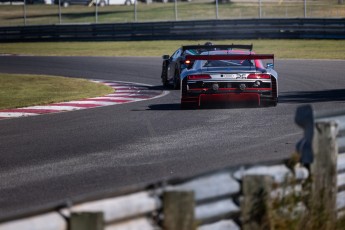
<point>229,76</point>
<point>173,65</point>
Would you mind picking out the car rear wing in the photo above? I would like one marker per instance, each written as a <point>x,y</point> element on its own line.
<point>217,47</point>
<point>192,58</point>
<point>230,57</point>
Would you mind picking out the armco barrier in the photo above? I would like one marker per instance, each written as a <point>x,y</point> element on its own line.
<point>233,198</point>
<point>181,30</point>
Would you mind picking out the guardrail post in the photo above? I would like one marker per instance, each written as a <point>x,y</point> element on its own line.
<point>256,202</point>
<point>178,208</point>
<point>324,173</point>
<point>86,221</point>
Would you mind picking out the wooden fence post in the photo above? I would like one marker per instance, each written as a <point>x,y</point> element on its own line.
<point>256,202</point>
<point>324,173</point>
<point>86,221</point>
<point>178,208</point>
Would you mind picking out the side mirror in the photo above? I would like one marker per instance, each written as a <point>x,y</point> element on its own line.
<point>269,66</point>
<point>165,57</point>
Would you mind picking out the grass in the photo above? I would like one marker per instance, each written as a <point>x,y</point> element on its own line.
<point>301,49</point>
<point>11,15</point>
<point>27,90</point>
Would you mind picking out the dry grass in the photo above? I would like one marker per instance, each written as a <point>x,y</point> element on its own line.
<point>26,90</point>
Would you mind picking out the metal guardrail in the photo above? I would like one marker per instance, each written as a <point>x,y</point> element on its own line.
<point>181,30</point>
<point>228,198</point>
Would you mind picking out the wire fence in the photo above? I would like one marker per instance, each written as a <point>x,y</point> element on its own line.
<point>47,12</point>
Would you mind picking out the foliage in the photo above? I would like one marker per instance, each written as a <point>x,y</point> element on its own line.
<point>295,208</point>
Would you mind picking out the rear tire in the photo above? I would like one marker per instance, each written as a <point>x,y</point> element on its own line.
<point>177,79</point>
<point>188,105</point>
<point>269,103</point>
<point>164,77</point>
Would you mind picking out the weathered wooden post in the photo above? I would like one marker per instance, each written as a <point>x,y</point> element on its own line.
<point>178,209</point>
<point>256,203</point>
<point>324,172</point>
<point>319,151</point>
<point>86,221</point>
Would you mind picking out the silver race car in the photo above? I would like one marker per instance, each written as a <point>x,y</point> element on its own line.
<point>235,75</point>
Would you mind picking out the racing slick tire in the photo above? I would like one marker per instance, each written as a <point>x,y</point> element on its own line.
<point>189,105</point>
<point>164,77</point>
<point>269,103</point>
<point>176,79</point>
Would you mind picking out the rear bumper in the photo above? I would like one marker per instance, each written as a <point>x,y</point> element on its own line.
<point>230,92</point>
<point>229,98</point>
<point>222,98</point>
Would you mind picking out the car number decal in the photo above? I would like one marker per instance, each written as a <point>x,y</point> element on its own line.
<point>231,76</point>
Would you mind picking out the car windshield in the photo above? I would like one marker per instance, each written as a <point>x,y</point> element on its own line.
<point>228,63</point>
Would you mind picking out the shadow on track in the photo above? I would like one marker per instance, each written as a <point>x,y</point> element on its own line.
<point>334,95</point>
<point>177,106</point>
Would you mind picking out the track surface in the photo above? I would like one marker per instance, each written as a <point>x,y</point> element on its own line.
<point>46,160</point>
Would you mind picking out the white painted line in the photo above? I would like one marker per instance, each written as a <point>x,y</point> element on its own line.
<point>130,87</point>
<point>56,107</point>
<point>119,98</point>
<point>128,91</point>
<point>110,84</point>
<point>123,94</point>
<point>91,102</point>
<point>13,114</point>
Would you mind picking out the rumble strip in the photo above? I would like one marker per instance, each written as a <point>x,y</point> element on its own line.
<point>125,92</point>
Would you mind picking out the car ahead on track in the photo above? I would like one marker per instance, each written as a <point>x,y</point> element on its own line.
<point>173,65</point>
<point>229,76</point>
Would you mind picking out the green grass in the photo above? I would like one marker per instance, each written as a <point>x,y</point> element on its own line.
<point>11,15</point>
<point>26,90</point>
<point>301,49</point>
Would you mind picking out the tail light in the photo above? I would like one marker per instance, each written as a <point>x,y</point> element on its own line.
<point>187,62</point>
<point>259,76</point>
<point>199,77</point>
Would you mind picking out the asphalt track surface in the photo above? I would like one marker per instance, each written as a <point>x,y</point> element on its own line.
<point>52,159</point>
